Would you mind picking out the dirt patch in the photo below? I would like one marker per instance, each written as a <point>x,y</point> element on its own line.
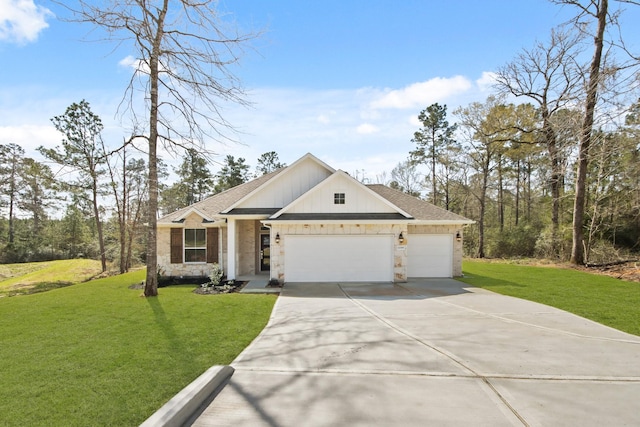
<point>629,271</point>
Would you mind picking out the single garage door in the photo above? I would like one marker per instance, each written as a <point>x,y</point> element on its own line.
<point>429,255</point>
<point>348,258</point>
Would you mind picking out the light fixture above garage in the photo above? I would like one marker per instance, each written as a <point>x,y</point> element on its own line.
<point>458,236</point>
<point>277,237</point>
<point>401,238</point>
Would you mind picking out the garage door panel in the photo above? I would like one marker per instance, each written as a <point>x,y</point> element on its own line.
<point>339,258</point>
<point>430,255</point>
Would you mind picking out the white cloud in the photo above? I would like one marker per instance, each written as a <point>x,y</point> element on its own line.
<point>367,129</point>
<point>486,82</point>
<point>326,118</point>
<point>21,20</point>
<point>29,137</point>
<point>131,62</point>
<point>418,95</point>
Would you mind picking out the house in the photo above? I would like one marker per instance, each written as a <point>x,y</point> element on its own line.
<point>311,223</point>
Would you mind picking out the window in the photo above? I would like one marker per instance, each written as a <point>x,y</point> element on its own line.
<point>195,245</point>
<point>338,198</point>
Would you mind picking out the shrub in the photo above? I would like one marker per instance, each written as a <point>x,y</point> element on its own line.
<point>514,242</point>
<point>215,276</point>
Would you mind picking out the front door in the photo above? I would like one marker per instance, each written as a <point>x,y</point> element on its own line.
<point>265,252</point>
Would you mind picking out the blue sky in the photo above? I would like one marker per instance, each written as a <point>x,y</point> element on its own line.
<point>342,79</point>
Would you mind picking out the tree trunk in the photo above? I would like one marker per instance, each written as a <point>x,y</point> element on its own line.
<point>500,194</point>
<point>518,184</point>
<point>122,215</point>
<point>577,249</point>
<point>555,180</point>
<point>434,198</point>
<point>151,285</point>
<point>96,212</point>
<point>483,204</point>
<point>529,173</point>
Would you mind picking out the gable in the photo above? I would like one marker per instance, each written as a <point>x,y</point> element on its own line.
<point>294,181</point>
<point>342,195</point>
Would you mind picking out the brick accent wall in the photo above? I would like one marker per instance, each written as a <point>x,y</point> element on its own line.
<point>166,268</point>
<point>247,246</point>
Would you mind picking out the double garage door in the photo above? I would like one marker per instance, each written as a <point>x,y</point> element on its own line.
<point>365,258</point>
<point>331,258</point>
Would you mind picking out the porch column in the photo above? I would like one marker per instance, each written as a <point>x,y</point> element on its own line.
<point>231,249</point>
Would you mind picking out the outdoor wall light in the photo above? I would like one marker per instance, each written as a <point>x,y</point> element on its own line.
<point>458,236</point>
<point>277,237</point>
<point>401,238</point>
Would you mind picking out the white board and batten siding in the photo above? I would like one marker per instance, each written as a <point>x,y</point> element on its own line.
<point>357,199</point>
<point>283,190</point>
<point>339,258</point>
<point>430,255</point>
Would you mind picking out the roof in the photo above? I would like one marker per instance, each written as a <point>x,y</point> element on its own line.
<point>212,208</point>
<point>421,210</point>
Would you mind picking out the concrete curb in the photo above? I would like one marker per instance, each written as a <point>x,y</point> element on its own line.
<point>190,401</point>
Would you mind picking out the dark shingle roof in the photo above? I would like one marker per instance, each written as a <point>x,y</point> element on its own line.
<point>212,206</point>
<point>419,209</point>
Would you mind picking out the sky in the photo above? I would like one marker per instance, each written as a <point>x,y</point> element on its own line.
<point>342,79</point>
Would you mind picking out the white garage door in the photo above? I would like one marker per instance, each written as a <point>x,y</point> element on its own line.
<point>338,258</point>
<point>430,255</point>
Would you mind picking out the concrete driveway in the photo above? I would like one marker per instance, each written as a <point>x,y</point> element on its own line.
<point>430,352</point>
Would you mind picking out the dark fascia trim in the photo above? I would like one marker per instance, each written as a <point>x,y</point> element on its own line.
<point>342,216</point>
<point>253,211</point>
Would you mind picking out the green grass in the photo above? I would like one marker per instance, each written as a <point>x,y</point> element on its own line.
<point>606,300</point>
<point>32,277</point>
<point>99,354</point>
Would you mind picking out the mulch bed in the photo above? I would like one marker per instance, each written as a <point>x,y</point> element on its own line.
<point>222,288</point>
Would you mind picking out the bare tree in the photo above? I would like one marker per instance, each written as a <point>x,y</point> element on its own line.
<point>598,10</point>
<point>550,76</point>
<point>128,188</point>
<point>183,57</point>
<point>406,178</point>
<point>593,20</point>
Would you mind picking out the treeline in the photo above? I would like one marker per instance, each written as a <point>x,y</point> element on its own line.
<point>84,200</point>
<point>493,165</point>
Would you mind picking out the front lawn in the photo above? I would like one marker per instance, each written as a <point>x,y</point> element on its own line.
<point>606,300</point>
<point>32,277</point>
<point>99,354</point>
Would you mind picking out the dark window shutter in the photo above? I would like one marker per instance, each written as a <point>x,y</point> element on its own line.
<point>212,245</point>
<point>176,246</point>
